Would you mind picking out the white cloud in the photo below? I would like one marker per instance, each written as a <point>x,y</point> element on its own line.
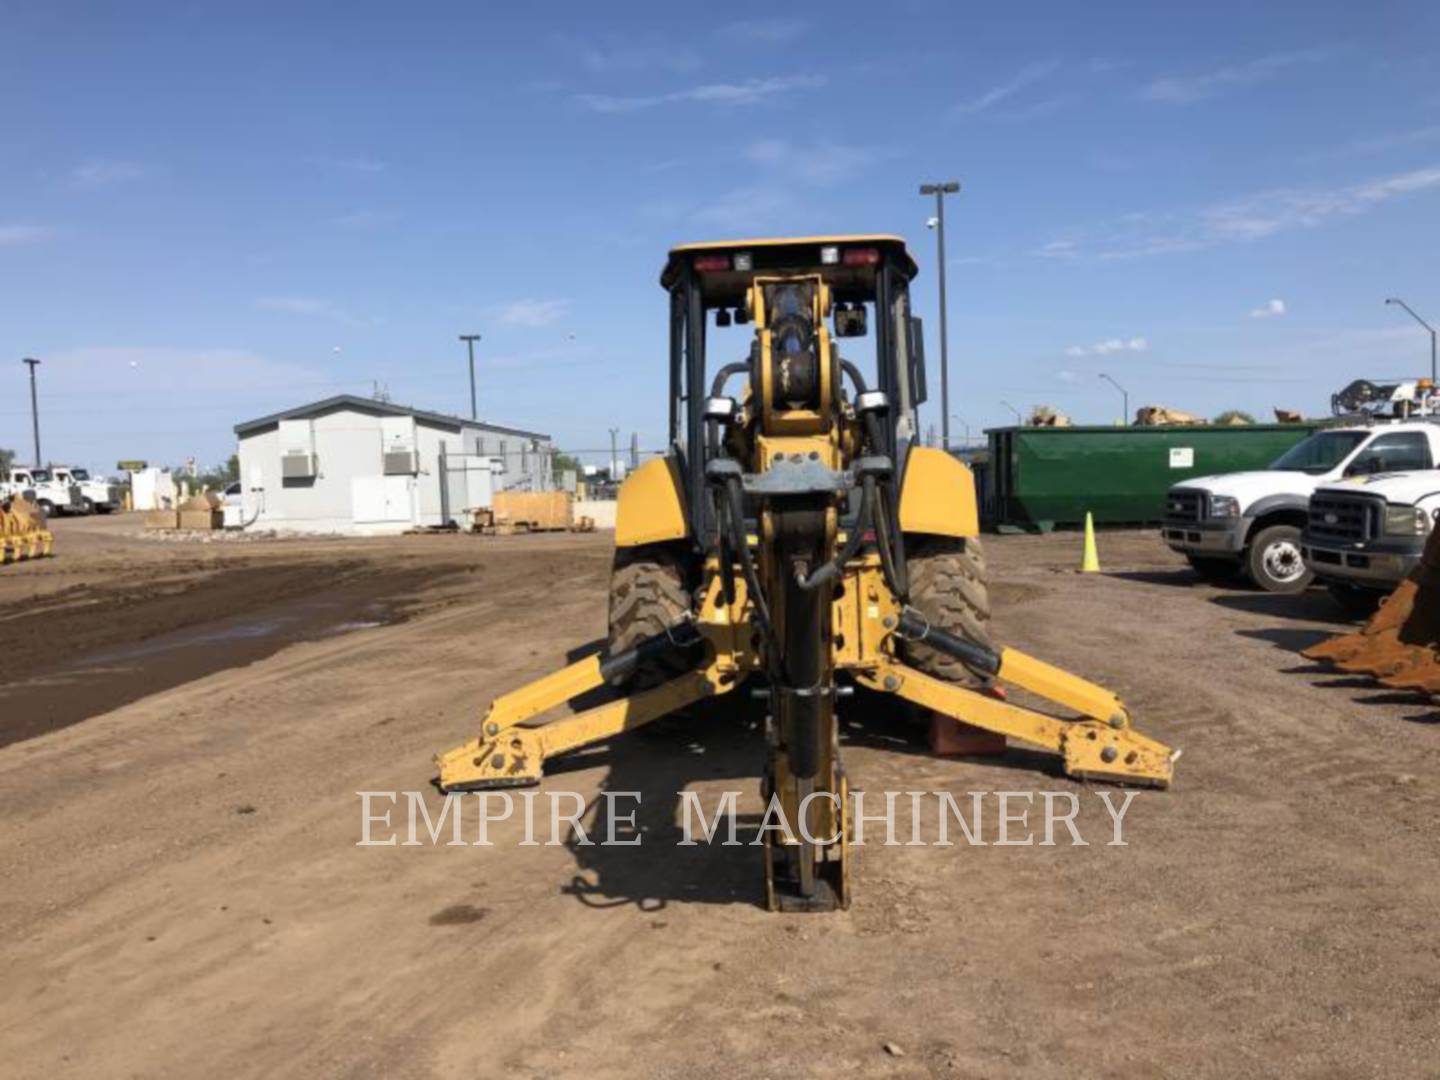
<point>615,52</point>
<point>1109,347</point>
<point>357,164</point>
<point>1269,310</point>
<point>166,403</point>
<point>1395,139</point>
<point>748,92</point>
<point>1188,89</point>
<point>533,313</point>
<point>362,219</point>
<point>1027,76</point>
<point>1058,249</point>
<point>102,172</point>
<point>1245,219</point>
<point>819,163</point>
<point>768,31</point>
<point>748,210</point>
<point>310,307</point>
<point>14,235</point>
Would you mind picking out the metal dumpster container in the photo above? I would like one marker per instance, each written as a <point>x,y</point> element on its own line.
<point>1041,477</point>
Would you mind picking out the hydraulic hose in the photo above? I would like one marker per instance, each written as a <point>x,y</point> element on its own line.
<point>735,504</point>
<point>855,375</point>
<point>892,558</point>
<point>824,573</point>
<point>723,375</point>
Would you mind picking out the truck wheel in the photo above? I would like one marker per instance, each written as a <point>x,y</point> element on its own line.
<point>46,507</point>
<point>948,586</point>
<point>1214,571</point>
<point>1357,603</point>
<point>87,506</point>
<point>649,590</point>
<point>1274,561</point>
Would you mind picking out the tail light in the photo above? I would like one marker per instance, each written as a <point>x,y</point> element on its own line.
<point>861,256</point>
<point>710,264</point>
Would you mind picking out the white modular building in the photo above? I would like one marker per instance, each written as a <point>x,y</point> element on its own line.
<point>355,465</point>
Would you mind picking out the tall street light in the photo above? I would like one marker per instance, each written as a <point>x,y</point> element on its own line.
<point>1124,398</point>
<point>966,425</point>
<point>1018,418</point>
<point>940,190</point>
<point>1422,322</point>
<point>470,340</point>
<point>34,411</point>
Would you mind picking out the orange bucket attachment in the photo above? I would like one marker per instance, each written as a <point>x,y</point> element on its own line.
<point>1398,645</point>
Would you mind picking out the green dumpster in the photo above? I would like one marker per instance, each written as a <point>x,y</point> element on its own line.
<point>1040,477</point>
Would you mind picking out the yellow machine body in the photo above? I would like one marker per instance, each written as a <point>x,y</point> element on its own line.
<point>797,585</point>
<point>650,508</point>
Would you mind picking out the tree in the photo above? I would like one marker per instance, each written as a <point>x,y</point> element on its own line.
<point>1234,416</point>
<point>218,477</point>
<point>563,463</point>
<point>7,458</point>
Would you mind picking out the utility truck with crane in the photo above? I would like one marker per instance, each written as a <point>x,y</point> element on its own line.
<point>1253,523</point>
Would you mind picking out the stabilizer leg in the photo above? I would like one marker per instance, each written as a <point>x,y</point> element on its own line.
<point>1090,748</point>
<point>505,755</point>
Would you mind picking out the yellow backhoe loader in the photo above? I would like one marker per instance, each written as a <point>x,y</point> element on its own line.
<point>23,534</point>
<point>799,541</point>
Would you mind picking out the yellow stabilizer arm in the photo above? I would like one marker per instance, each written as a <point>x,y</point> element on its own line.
<point>1100,746</point>
<point>505,755</point>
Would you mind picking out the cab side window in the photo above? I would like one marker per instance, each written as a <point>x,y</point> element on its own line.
<point>1395,452</point>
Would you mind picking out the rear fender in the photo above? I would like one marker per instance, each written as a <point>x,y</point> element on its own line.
<point>937,495</point>
<point>651,505</point>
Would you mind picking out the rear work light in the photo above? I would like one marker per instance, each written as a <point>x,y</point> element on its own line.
<point>709,264</point>
<point>861,256</point>
<point>829,256</point>
<point>743,262</point>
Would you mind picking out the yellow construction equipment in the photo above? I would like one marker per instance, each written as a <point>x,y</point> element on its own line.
<point>1400,645</point>
<point>798,540</point>
<point>23,534</point>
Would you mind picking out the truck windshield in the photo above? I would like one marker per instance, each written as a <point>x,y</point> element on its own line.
<point>79,474</point>
<point>1321,452</point>
<point>39,476</point>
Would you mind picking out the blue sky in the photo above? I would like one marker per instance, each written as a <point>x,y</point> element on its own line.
<point>210,211</point>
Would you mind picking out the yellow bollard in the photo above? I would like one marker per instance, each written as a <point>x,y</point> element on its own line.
<point>1090,564</point>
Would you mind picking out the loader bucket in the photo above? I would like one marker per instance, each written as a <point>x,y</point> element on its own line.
<point>23,534</point>
<point>1398,645</point>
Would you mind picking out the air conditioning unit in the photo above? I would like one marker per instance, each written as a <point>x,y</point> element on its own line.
<point>297,466</point>
<point>401,463</point>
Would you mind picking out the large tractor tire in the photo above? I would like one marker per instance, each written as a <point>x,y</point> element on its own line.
<point>650,588</point>
<point>948,587</point>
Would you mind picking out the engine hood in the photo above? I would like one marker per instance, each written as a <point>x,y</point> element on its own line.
<point>1405,488</point>
<point>1248,487</point>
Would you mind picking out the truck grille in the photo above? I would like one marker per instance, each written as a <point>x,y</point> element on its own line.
<point>1182,504</point>
<point>1348,519</point>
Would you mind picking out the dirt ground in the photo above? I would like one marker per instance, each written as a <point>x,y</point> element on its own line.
<point>189,725</point>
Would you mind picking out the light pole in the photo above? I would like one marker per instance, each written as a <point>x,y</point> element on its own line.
<point>966,425</point>
<point>470,340</point>
<point>1018,418</point>
<point>1124,398</point>
<point>1422,322</point>
<point>34,410</point>
<point>940,190</point>
<point>614,455</point>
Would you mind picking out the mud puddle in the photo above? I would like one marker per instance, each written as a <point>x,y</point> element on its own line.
<point>137,646</point>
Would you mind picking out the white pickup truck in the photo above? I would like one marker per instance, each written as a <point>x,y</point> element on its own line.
<point>51,494</point>
<point>1367,533</point>
<point>97,494</point>
<point>1254,521</point>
